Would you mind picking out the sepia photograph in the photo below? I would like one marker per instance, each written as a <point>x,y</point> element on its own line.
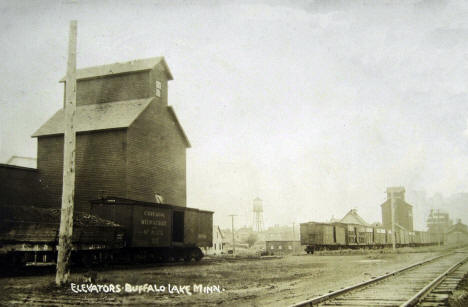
<point>234,153</point>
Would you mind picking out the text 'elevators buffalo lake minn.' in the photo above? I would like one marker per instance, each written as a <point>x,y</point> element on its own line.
<point>146,288</point>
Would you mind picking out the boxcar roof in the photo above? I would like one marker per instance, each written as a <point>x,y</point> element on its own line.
<point>3,165</point>
<point>102,116</point>
<point>125,201</point>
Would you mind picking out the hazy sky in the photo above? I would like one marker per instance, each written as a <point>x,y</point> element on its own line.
<point>314,106</point>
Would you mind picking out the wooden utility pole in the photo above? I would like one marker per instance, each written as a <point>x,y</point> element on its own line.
<point>294,234</point>
<point>233,240</point>
<point>68,190</point>
<point>439,232</point>
<point>392,202</point>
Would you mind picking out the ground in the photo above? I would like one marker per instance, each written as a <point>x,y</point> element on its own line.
<point>460,295</point>
<point>256,281</point>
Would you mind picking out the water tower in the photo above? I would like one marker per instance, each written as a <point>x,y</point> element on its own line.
<point>257,215</point>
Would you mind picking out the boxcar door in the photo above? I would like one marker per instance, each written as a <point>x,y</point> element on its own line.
<point>177,226</point>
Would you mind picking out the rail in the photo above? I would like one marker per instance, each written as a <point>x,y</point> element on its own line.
<point>336,293</point>
<point>433,284</point>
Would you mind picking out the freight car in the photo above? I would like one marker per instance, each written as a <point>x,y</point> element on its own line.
<point>157,231</point>
<point>323,236</point>
<point>29,235</point>
<point>116,230</point>
<point>319,236</point>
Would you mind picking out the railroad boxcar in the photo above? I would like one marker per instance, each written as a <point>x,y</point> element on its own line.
<point>424,238</point>
<point>389,236</point>
<point>361,234</point>
<point>317,236</point>
<point>340,234</point>
<point>435,238</point>
<point>402,237</point>
<point>418,237</point>
<point>354,234</point>
<point>412,238</point>
<point>116,230</point>
<point>158,231</point>
<point>405,237</point>
<point>29,235</point>
<point>368,236</point>
<point>431,237</point>
<point>350,234</point>
<point>380,236</point>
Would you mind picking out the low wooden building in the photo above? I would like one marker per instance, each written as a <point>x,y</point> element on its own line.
<point>352,217</point>
<point>457,234</point>
<point>283,247</point>
<point>218,246</point>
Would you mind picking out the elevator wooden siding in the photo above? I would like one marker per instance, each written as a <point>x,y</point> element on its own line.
<point>113,88</point>
<point>156,150</point>
<point>100,166</point>
<point>127,148</point>
<point>122,81</point>
<point>50,165</point>
<point>403,214</point>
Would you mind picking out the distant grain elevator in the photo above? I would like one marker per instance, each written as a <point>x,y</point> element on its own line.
<point>403,210</point>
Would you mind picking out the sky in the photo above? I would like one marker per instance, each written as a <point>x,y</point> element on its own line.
<point>316,107</point>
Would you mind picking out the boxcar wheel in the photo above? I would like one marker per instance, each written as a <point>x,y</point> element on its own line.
<point>196,254</point>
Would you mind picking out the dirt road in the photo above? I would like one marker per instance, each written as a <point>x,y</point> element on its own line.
<point>225,282</point>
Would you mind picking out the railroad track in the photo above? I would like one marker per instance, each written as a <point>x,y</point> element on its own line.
<point>428,283</point>
<point>440,294</point>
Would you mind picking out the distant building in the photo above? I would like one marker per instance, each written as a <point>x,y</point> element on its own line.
<point>334,220</point>
<point>352,217</point>
<point>240,237</point>
<point>274,233</point>
<point>22,161</point>
<point>457,234</point>
<point>218,242</point>
<point>403,210</point>
<point>280,233</point>
<point>283,247</point>
<point>242,234</point>
<point>439,223</point>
